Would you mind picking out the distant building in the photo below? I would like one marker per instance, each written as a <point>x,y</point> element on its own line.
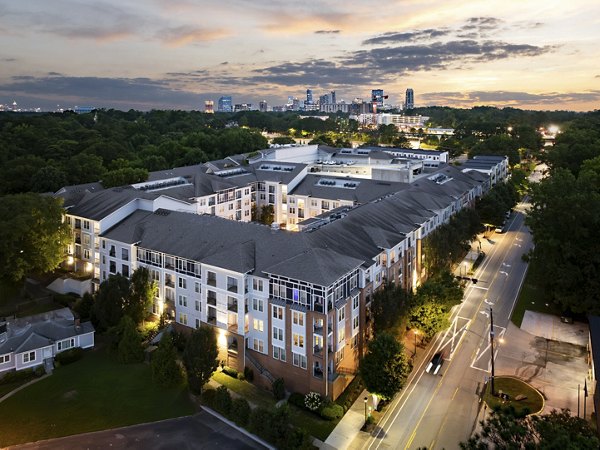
<point>332,97</point>
<point>409,101</point>
<point>377,97</point>
<point>242,107</point>
<point>324,100</point>
<point>262,106</point>
<point>225,104</point>
<point>84,109</point>
<point>209,107</point>
<point>309,97</point>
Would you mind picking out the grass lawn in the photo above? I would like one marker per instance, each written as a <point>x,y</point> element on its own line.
<point>5,388</point>
<point>313,424</point>
<point>513,387</point>
<point>94,393</point>
<point>530,299</point>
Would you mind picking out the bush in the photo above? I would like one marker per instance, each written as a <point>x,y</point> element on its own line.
<point>180,340</point>
<point>230,371</point>
<point>349,396</point>
<point>21,375</point>
<point>313,401</point>
<point>260,422</point>
<point>223,401</point>
<point>297,399</point>
<point>249,373</point>
<point>69,356</point>
<point>241,376</point>
<point>279,389</point>
<point>65,299</point>
<point>240,411</point>
<point>332,412</point>
<point>208,397</point>
<point>39,371</point>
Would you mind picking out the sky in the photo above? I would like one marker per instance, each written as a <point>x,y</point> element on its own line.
<point>175,54</point>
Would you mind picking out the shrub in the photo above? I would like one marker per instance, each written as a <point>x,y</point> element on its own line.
<point>26,374</point>
<point>223,400</point>
<point>241,376</point>
<point>39,371</point>
<point>249,373</point>
<point>230,371</point>
<point>69,356</point>
<point>332,412</point>
<point>297,399</point>
<point>313,401</point>
<point>279,389</point>
<point>260,422</point>
<point>240,411</point>
<point>208,397</point>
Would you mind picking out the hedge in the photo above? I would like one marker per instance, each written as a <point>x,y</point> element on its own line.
<point>69,356</point>
<point>332,412</point>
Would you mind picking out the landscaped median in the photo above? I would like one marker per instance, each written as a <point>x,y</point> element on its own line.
<point>94,393</point>
<point>524,398</point>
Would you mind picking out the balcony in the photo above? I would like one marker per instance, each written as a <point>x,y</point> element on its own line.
<point>170,282</point>
<point>318,307</point>
<point>318,328</point>
<point>112,253</point>
<point>212,320</point>
<point>317,349</point>
<point>211,281</point>
<point>232,288</point>
<point>211,301</point>
<point>317,372</point>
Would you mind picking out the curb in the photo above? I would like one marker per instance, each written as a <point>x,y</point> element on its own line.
<point>240,429</point>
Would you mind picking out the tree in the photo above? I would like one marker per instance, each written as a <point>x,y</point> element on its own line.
<point>141,295</point>
<point>267,214</point>
<point>130,346</point>
<point>389,305</point>
<point>200,357</point>
<point>33,236</point>
<point>110,301</point>
<point>385,367</point>
<point>557,430</point>
<point>165,370</point>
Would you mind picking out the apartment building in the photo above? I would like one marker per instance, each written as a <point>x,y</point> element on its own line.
<point>291,304</point>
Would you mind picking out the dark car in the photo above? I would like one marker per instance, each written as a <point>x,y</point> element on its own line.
<point>435,364</point>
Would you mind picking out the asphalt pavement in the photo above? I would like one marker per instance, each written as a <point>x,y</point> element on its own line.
<point>200,431</point>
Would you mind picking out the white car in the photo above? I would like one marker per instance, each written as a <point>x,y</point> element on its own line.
<point>435,364</point>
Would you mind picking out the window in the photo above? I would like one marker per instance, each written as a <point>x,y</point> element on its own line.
<point>339,355</point>
<point>67,343</point>
<point>355,341</point>
<point>197,323</point>
<point>257,304</point>
<point>355,302</point>
<point>341,334</point>
<point>28,357</point>
<point>257,285</point>
<point>298,340</point>
<point>277,334</point>
<point>183,318</point>
<point>197,305</point>
<point>182,283</point>
<point>182,300</point>
<point>86,253</point>
<point>258,345</point>
<point>258,325</point>
<point>299,360</point>
<point>112,252</point>
<point>341,314</point>
<point>124,254</point>
<point>196,287</point>
<point>298,318</point>
<point>355,323</point>
<point>277,312</point>
<point>211,278</point>
<point>112,267</point>
<point>86,224</point>
<point>232,284</point>
<point>279,353</point>
<point>125,270</point>
<point>4,358</point>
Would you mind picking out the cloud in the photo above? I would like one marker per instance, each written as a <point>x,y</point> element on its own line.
<point>141,93</point>
<point>100,33</point>
<point>328,31</point>
<point>508,98</point>
<point>8,60</point>
<point>186,34</point>
<point>411,36</point>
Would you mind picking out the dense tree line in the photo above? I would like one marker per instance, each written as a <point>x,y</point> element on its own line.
<point>565,221</point>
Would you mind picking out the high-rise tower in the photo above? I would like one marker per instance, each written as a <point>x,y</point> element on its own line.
<point>409,101</point>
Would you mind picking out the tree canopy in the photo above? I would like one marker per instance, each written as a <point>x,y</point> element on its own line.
<point>385,367</point>
<point>200,357</point>
<point>33,236</point>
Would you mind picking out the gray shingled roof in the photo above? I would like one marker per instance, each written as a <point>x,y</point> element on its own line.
<point>73,194</point>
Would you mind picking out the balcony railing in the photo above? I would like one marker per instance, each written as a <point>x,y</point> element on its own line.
<point>232,288</point>
<point>317,349</point>
<point>232,307</point>
<point>170,283</point>
<point>211,320</point>
<point>317,372</point>
<point>318,328</point>
<point>211,301</point>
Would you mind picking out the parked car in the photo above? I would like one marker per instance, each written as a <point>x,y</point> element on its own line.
<point>435,364</point>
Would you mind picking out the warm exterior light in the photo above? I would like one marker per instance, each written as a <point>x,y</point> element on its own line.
<point>222,339</point>
<point>69,260</point>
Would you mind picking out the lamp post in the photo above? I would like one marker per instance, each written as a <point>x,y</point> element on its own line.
<point>492,349</point>
<point>366,400</point>
<point>416,332</point>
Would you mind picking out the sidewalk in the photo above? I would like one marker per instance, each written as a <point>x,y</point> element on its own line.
<point>349,427</point>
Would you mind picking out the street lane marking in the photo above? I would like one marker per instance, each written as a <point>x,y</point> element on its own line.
<point>480,287</point>
<point>414,433</point>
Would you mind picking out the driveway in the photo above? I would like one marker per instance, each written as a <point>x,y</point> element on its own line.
<point>200,431</point>
<point>549,355</point>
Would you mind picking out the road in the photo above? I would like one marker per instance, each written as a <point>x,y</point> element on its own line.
<point>439,411</point>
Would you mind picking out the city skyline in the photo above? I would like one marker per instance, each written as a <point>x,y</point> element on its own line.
<point>178,54</point>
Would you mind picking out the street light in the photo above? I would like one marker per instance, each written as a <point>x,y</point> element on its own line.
<point>492,349</point>
<point>416,332</point>
<point>366,400</point>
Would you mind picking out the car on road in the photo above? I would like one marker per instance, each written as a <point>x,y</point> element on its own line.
<point>435,364</point>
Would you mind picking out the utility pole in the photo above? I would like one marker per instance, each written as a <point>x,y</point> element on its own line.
<point>492,349</point>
